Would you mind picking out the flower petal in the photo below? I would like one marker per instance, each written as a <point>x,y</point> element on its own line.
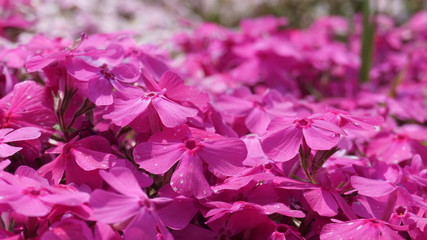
<point>172,114</point>
<point>157,158</point>
<point>123,181</point>
<point>372,187</point>
<point>224,156</point>
<point>283,145</point>
<point>7,150</point>
<point>188,179</point>
<point>322,202</point>
<point>111,207</point>
<point>22,134</point>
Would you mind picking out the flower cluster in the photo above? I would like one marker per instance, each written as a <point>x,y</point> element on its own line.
<point>270,136</point>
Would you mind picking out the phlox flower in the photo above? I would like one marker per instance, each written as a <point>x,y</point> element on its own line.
<point>80,158</point>
<point>102,80</point>
<point>192,149</point>
<point>31,195</point>
<point>360,229</point>
<point>129,205</point>
<point>286,134</point>
<point>159,105</point>
<point>8,135</point>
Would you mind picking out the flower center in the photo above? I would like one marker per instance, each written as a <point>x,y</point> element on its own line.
<point>151,94</point>
<point>33,192</point>
<point>282,229</point>
<point>190,144</point>
<point>107,74</point>
<point>400,137</point>
<point>303,123</point>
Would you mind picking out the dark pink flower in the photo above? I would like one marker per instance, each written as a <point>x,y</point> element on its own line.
<point>80,160</point>
<point>129,204</point>
<point>102,80</point>
<point>192,149</point>
<point>8,135</point>
<point>285,135</point>
<point>360,229</point>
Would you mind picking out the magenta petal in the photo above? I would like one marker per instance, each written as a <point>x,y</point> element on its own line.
<point>257,121</point>
<point>126,111</point>
<point>283,210</point>
<point>69,198</point>
<point>283,145</point>
<point>320,139</point>
<point>359,229</point>
<point>322,202</point>
<point>122,180</point>
<point>7,150</point>
<point>142,226</point>
<point>177,91</point>
<point>5,131</point>
<point>172,114</point>
<point>224,156</point>
<point>37,63</point>
<point>53,170</point>
<point>29,206</point>
<point>89,159</point>
<point>103,231</point>
<point>100,91</point>
<point>157,158</point>
<point>179,213</point>
<point>372,187</point>
<point>188,178</point>
<point>126,72</point>
<point>111,207</point>
<point>81,70</point>
<point>22,134</point>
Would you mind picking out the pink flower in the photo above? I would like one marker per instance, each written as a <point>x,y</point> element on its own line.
<point>80,160</point>
<point>27,105</point>
<point>101,80</point>
<point>193,149</point>
<point>360,229</point>
<point>8,135</point>
<point>29,194</point>
<point>285,135</point>
<point>129,204</point>
<point>158,105</point>
<point>69,228</point>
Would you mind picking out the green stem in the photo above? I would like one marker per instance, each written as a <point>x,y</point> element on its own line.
<point>367,42</point>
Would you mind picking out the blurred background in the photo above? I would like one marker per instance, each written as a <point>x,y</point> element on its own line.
<point>158,19</point>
